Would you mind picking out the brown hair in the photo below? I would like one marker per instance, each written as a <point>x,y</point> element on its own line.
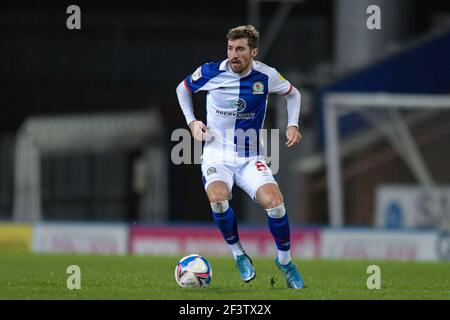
<point>248,32</point>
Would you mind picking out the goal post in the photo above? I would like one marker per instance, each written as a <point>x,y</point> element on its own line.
<point>91,133</point>
<point>389,117</point>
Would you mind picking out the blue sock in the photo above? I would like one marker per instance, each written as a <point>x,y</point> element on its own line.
<point>280,232</point>
<point>227,224</point>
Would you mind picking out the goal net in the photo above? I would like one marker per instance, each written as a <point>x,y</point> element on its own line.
<point>387,159</point>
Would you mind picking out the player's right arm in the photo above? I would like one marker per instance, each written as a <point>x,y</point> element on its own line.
<point>198,128</point>
<point>199,80</point>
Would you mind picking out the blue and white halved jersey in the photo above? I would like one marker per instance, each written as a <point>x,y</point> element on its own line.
<point>236,105</point>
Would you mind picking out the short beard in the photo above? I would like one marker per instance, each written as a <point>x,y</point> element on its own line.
<point>240,69</point>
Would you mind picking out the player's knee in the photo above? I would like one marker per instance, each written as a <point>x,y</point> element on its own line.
<point>272,201</point>
<point>218,196</point>
<point>277,212</point>
<point>269,196</point>
<point>217,192</point>
<point>220,206</point>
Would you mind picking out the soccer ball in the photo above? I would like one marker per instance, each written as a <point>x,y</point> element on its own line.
<point>193,271</point>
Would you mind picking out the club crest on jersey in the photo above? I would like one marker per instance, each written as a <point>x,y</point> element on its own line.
<point>258,88</point>
<point>197,74</point>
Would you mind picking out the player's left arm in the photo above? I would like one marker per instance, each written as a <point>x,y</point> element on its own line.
<point>293,135</point>
<point>279,85</point>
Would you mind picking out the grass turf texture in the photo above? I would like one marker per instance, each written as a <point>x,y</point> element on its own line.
<point>33,276</point>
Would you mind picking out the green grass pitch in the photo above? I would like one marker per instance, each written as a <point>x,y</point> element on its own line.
<point>39,276</point>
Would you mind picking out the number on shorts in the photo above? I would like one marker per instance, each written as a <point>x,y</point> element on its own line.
<point>260,166</point>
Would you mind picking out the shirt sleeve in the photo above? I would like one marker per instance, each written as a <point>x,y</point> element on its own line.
<point>185,101</point>
<point>198,80</point>
<point>293,99</point>
<point>278,84</point>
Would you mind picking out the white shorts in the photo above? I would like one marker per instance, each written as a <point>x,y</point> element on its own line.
<point>249,175</point>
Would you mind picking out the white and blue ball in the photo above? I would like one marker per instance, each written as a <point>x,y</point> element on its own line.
<point>193,271</point>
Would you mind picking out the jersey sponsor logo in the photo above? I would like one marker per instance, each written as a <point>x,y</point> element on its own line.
<point>245,116</point>
<point>226,113</point>
<point>239,104</point>
<point>241,116</point>
<point>258,88</point>
<point>237,115</point>
<point>197,74</point>
<point>210,171</point>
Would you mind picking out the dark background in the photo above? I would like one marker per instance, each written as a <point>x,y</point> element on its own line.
<point>132,55</point>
